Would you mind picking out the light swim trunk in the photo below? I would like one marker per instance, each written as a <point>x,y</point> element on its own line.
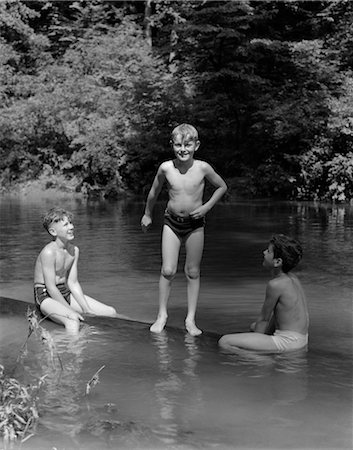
<point>289,340</point>
<point>41,293</point>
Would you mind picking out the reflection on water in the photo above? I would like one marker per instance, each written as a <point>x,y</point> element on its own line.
<point>60,361</point>
<point>172,390</point>
<point>61,405</point>
<point>167,388</point>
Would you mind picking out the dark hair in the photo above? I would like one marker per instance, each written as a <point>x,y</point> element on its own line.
<point>288,249</point>
<point>55,215</point>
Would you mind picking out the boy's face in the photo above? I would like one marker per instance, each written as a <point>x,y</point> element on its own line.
<point>269,259</point>
<point>63,229</point>
<point>184,147</point>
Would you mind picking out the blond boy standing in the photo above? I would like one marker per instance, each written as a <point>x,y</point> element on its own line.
<point>184,219</point>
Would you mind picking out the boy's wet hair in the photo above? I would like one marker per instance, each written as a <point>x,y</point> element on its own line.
<point>288,249</point>
<point>55,215</point>
<point>186,131</point>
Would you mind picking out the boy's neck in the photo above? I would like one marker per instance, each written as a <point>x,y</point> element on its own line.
<point>61,244</point>
<point>277,272</point>
<point>183,164</point>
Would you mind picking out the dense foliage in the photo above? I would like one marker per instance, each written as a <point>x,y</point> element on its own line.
<point>91,89</point>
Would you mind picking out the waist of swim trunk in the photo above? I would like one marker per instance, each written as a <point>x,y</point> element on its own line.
<point>289,333</point>
<point>64,290</point>
<point>60,286</point>
<point>181,219</point>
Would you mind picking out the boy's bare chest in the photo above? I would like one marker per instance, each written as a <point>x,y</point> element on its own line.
<point>190,181</point>
<point>63,260</point>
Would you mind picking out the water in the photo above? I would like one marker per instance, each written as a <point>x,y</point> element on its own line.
<point>173,391</point>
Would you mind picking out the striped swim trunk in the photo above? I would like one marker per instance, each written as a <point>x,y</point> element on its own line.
<point>41,293</point>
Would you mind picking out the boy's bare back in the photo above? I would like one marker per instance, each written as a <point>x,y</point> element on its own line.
<point>284,301</point>
<point>291,309</point>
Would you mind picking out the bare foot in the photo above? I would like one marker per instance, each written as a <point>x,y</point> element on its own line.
<point>192,329</point>
<point>159,325</point>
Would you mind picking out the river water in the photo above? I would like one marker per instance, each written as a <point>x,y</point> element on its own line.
<point>171,390</point>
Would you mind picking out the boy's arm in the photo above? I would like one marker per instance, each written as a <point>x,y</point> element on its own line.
<point>221,189</point>
<point>271,299</point>
<point>152,198</point>
<point>74,285</point>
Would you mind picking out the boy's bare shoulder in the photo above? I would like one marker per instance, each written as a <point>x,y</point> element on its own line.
<point>284,282</point>
<point>166,165</point>
<point>203,166</point>
<point>279,283</point>
<point>201,163</point>
<point>48,249</point>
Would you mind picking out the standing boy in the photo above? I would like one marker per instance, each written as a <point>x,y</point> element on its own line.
<point>285,299</point>
<point>57,291</point>
<point>184,218</point>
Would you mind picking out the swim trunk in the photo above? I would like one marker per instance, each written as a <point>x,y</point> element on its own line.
<point>289,340</point>
<point>41,293</point>
<point>182,226</point>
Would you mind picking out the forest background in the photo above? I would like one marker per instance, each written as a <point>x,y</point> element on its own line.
<point>90,91</point>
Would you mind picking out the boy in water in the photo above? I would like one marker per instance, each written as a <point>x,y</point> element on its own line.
<point>284,298</point>
<point>57,291</point>
<point>184,219</point>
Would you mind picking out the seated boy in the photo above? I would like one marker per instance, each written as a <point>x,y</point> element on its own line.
<point>57,291</point>
<point>284,298</point>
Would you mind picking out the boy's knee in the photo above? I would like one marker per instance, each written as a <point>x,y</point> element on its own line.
<point>192,272</point>
<point>168,273</point>
<point>112,311</point>
<point>223,342</point>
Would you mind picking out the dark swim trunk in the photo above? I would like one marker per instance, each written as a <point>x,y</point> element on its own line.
<point>41,293</point>
<point>182,226</point>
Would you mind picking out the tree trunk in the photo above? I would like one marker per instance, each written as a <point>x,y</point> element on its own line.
<point>148,28</point>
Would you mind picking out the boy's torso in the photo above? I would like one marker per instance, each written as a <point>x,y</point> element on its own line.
<point>64,258</point>
<point>291,310</point>
<point>186,186</point>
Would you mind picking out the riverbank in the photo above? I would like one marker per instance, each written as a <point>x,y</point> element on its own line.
<point>38,189</point>
<point>239,188</point>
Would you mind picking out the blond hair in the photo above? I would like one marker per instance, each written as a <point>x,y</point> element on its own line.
<point>186,131</point>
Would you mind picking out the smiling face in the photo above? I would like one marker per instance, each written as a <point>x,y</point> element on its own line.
<point>184,147</point>
<point>62,229</point>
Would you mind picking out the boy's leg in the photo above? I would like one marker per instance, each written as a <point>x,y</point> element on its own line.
<point>248,341</point>
<point>170,254</point>
<point>194,249</point>
<point>60,314</point>
<point>98,308</point>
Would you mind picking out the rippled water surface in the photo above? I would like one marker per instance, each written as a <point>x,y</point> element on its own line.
<point>171,390</point>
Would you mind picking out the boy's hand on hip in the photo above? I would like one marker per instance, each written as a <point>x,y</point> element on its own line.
<point>198,213</point>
